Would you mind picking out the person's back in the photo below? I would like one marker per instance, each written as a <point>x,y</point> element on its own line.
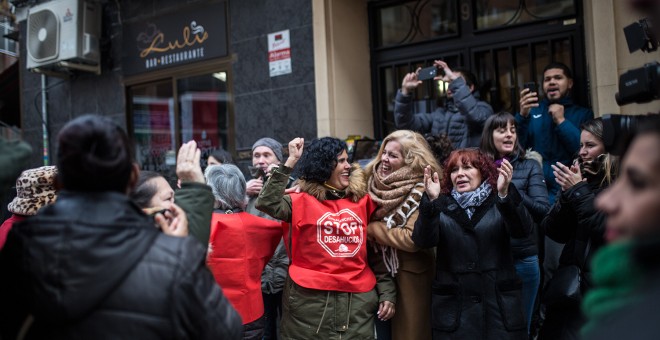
<point>93,266</point>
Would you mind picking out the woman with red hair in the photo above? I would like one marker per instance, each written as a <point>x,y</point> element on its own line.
<point>469,219</point>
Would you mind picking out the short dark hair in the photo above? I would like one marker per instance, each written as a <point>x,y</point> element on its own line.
<point>93,155</point>
<point>144,191</point>
<point>470,78</point>
<point>494,122</point>
<point>222,156</point>
<point>319,159</point>
<point>561,66</point>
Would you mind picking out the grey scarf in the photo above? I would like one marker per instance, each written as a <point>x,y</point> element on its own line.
<point>470,200</point>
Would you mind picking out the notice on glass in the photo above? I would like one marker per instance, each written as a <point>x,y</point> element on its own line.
<point>279,53</point>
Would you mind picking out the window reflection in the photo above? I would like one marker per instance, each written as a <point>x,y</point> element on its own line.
<point>415,21</point>
<point>496,13</point>
<point>203,102</point>
<point>203,114</point>
<point>153,129</point>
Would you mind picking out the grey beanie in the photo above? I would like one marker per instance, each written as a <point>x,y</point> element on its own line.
<point>271,144</point>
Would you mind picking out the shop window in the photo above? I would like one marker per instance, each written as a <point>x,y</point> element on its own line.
<point>203,102</point>
<point>164,114</point>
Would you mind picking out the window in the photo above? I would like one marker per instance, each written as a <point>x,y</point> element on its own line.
<point>166,113</point>
<point>414,21</point>
<point>497,13</point>
<point>505,43</point>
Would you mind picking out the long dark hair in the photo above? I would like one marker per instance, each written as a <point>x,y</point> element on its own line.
<point>494,122</point>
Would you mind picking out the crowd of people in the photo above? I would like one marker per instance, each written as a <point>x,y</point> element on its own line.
<point>467,224</point>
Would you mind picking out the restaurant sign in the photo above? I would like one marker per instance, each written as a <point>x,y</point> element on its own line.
<point>186,36</point>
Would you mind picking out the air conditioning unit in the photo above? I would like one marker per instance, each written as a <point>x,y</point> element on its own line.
<point>64,34</point>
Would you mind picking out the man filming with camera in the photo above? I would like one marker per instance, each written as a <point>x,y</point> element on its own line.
<point>462,117</point>
<point>551,125</point>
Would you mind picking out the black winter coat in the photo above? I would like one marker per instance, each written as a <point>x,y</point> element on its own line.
<point>574,220</point>
<point>93,266</point>
<point>476,292</point>
<point>530,182</point>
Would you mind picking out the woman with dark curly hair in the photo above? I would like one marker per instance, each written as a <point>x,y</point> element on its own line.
<point>334,287</point>
<point>476,293</point>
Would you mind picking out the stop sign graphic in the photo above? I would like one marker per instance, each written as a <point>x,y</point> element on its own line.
<point>340,233</point>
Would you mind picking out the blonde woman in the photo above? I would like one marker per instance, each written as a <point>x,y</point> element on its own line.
<point>396,184</point>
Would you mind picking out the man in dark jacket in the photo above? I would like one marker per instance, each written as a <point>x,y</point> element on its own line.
<point>551,126</point>
<point>267,153</point>
<point>93,266</point>
<point>463,116</point>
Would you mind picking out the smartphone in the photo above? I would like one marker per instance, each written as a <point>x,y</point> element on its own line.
<point>531,86</point>
<point>257,172</point>
<point>427,73</point>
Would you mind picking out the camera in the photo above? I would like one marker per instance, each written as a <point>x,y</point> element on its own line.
<point>618,128</point>
<point>640,85</point>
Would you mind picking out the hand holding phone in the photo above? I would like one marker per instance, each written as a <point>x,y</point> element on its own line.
<point>531,86</point>
<point>527,100</point>
<point>427,73</point>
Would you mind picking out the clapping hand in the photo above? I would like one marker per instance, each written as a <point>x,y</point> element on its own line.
<point>431,183</point>
<point>567,177</point>
<point>504,179</point>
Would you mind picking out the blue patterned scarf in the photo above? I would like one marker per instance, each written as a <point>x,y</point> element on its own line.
<point>470,200</point>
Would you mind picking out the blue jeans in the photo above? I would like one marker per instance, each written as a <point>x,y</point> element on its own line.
<point>529,272</point>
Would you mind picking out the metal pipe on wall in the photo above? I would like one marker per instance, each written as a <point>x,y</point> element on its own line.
<point>44,116</point>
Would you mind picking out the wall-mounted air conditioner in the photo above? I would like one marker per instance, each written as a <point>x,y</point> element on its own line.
<point>64,34</point>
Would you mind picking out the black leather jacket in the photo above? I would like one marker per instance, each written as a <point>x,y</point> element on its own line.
<point>93,266</point>
<point>476,293</point>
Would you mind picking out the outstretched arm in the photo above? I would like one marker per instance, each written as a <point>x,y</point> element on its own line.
<point>272,199</point>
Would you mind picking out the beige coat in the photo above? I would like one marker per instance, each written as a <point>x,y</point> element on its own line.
<point>412,319</point>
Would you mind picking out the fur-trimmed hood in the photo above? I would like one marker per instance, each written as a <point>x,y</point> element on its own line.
<point>533,155</point>
<point>357,186</point>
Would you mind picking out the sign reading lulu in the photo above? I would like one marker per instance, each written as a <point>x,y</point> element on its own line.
<point>279,53</point>
<point>190,35</point>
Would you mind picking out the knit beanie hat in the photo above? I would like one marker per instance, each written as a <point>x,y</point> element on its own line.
<point>35,188</point>
<point>271,144</point>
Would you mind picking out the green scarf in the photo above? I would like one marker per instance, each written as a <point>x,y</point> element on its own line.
<point>615,279</point>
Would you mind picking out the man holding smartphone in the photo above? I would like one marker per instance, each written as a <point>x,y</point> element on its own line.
<point>461,118</point>
<point>551,126</point>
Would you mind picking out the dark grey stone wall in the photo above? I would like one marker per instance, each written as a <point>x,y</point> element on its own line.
<point>281,107</point>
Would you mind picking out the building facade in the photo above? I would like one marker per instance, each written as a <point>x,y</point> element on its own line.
<point>220,71</point>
